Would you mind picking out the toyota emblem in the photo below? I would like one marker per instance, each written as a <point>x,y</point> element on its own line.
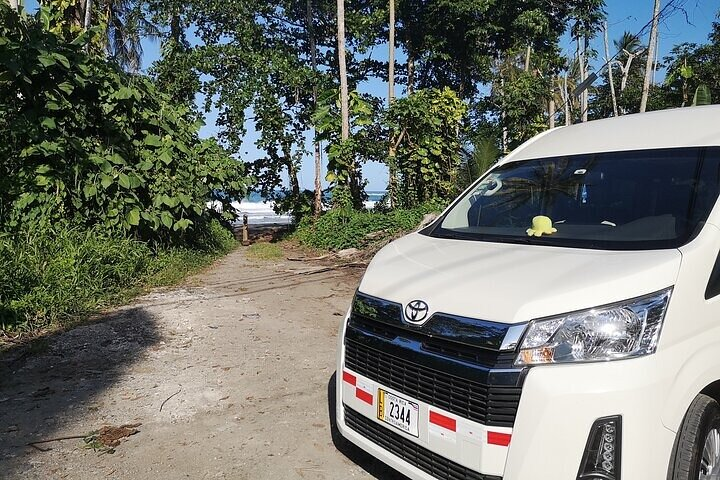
<point>416,312</point>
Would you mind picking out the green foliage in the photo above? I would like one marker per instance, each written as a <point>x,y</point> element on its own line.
<point>522,101</point>
<point>57,274</point>
<point>425,131</point>
<point>702,96</point>
<point>476,160</point>
<point>366,141</point>
<point>690,66</point>
<point>88,143</point>
<point>346,228</point>
<point>53,274</point>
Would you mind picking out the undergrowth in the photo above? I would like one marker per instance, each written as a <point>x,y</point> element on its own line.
<point>346,228</point>
<point>54,276</point>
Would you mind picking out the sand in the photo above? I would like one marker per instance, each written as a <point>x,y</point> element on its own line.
<point>227,377</point>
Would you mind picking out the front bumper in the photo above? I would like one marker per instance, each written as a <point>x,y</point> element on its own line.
<point>558,406</point>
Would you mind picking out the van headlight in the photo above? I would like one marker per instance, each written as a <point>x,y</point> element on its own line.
<point>611,332</point>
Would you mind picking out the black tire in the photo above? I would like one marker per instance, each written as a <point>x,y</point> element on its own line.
<point>701,418</point>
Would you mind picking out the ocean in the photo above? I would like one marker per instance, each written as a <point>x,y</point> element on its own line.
<point>260,210</point>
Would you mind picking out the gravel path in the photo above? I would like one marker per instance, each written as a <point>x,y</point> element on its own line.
<point>228,377</point>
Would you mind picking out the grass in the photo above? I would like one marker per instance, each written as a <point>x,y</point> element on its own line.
<point>265,251</point>
<point>57,277</point>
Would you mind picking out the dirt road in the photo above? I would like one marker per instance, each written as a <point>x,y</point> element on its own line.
<point>228,377</point>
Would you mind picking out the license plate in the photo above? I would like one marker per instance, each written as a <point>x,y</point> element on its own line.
<point>398,412</point>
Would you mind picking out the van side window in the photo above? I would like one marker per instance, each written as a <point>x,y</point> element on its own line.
<point>713,286</point>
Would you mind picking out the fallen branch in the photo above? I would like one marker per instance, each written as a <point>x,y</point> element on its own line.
<point>302,259</point>
<point>168,398</point>
<point>50,440</point>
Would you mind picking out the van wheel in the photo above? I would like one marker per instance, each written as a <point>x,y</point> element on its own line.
<point>696,455</point>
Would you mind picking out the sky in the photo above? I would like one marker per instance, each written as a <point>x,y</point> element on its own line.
<point>692,24</point>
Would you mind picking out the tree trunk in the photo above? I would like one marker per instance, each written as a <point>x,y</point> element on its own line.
<point>581,46</point>
<point>317,201</point>
<point>566,100</point>
<point>410,73</point>
<point>391,54</point>
<point>505,139</point>
<point>655,61</point>
<point>88,15</point>
<point>610,72</point>
<point>344,107</point>
<point>175,28</point>
<point>391,97</point>
<point>344,112</point>
<point>551,109</point>
<point>650,57</point>
<point>685,90</point>
<point>291,168</point>
<point>527,58</point>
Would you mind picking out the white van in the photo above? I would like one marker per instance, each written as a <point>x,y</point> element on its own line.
<point>559,321</point>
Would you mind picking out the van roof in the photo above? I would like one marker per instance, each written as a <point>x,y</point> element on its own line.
<point>678,127</point>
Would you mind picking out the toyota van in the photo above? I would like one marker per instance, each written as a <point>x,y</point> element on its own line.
<point>559,321</point>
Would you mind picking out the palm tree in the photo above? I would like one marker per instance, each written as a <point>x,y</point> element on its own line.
<point>630,48</point>
<point>126,26</point>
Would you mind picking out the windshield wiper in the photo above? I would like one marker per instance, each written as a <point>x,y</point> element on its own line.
<point>480,237</point>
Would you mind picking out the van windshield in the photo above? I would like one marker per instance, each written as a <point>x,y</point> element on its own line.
<point>634,200</point>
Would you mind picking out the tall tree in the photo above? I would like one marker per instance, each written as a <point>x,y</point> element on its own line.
<point>342,67</point>
<point>391,95</point>
<point>652,44</point>
<point>353,177</point>
<point>610,69</point>
<point>309,25</point>
<point>391,53</point>
<point>588,17</point>
<point>88,15</point>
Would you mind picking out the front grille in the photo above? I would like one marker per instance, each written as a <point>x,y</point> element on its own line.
<point>489,405</point>
<point>414,454</point>
<point>439,345</point>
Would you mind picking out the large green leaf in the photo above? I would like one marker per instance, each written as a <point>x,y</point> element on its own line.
<point>166,219</point>
<point>133,217</point>
<point>153,140</point>
<point>46,60</point>
<point>124,180</point>
<point>702,96</point>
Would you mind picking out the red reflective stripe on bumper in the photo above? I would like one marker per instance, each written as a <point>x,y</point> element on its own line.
<point>349,378</point>
<point>364,396</point>
<point>502,439</point>
<point>443,421</point>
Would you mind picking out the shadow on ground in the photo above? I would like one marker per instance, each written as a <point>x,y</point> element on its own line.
<point>358,456</point>
<point>45,385</point>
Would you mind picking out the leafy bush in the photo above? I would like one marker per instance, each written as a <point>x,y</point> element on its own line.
<point>346,228</point>
<point>424,129</point>
<point>85,142</point>
<point>56,274</point>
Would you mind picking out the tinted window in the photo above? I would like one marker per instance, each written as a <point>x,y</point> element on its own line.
<point>620,200</point>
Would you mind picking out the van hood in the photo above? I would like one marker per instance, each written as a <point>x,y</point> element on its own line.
<point>512,283</point>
